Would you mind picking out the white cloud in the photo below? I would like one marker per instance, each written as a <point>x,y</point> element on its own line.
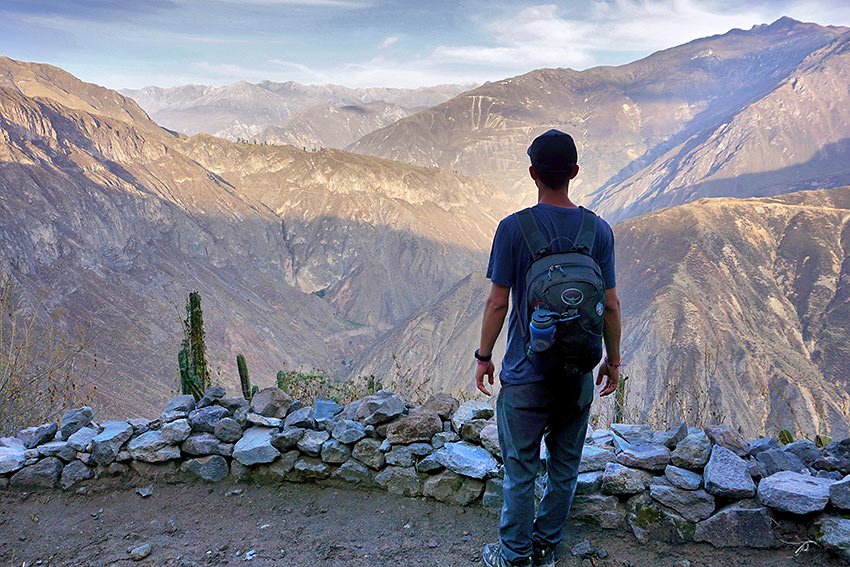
<point>391,40</point>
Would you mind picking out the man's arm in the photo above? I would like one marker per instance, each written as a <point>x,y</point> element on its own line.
<point>494,317</point>
<point>611,330</point>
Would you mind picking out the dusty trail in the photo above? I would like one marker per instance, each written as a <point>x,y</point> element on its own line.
<point>298,525</point>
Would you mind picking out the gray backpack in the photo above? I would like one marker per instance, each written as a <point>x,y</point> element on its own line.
<point>564,289</point>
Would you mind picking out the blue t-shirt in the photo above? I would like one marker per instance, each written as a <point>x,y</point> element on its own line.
<point>510,259</point>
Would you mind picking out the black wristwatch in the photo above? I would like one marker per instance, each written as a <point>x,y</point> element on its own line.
<point>483,358</point>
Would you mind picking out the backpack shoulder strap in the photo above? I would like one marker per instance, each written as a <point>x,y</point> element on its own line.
<point>586,236</point>
<point>534,239</point>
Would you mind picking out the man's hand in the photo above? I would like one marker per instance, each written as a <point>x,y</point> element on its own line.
<point>613,375</point>
<point>482,370</point>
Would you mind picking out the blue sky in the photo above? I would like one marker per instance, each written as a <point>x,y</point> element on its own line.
<point>362,43</point>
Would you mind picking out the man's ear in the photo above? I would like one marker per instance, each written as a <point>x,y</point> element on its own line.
<point>575,172</point>
<point>532,173</point>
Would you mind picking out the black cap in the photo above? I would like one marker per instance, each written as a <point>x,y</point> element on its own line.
<point>553,151</point>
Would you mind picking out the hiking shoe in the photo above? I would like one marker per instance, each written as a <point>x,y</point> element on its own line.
<point>492,557</point>
<point>544,556</point>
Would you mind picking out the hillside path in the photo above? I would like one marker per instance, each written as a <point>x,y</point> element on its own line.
<point>193,524</point>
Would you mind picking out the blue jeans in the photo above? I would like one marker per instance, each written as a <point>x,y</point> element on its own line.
<point>556,411</point>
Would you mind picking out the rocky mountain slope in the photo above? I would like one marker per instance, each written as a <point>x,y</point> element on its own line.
<point>623,118</point>
<point>243,110</point>
<point>734,311</point>
<point>327,126</point>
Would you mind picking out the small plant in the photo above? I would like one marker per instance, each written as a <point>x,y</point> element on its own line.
<point>822,441</point>
<point>192,358</point>
<point>785,437</point>
<point>620,400</point>
<point>242,367</point>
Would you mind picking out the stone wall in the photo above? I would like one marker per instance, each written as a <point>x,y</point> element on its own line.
<point>679,485</point>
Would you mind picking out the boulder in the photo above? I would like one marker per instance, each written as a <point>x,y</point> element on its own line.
<point>726,475</point>
<point>211,396</point>
<point>73,473</point>
<point>81,439</point>
<point>43,474</point>
<point>325,408</point>
<point>233,403</point>
<point>275,472</point>
<point>440,439</point>
<point>11,459</point>
<point>184,402</point>
<point>465,459</point>
<point>399,480</point>
<point>420,449</point>
<point>420,426</point>
<point>794,493</point>
<point>255,447</point>
<point>740,524</point>
<point>74,420</point>
<point>683,478</point>
<point>467,411</point>
<point>493,496</point>
<point>271,402</point>
<point>651,521</point>
<point>648,456</point>
<point>595,459</point>
<point>589,482</point>
<point>758,445</point>
<point>368,452</point>
<point>833,534</point>
<point>311,442</point>
<point>205,419</point>
<point>621,480</point>
<point>334,452</point>
<point>727,437</point>
<point>399,456</point>
<point>633,433</point>
<point>453,489</point>
<point>263,421</point>
<point>211,469</point>
<point>151,447</point>
<point>489,438</point>
<point>176,431</point>
<point>353,472</point>
<point>228,430</point>
<point>693,505</point>
<point>773,461</point>
<point>599,510</point>
<point>441,403</point>
<point>309,468</point>
<point>839,493</point>
<point>471,430</point>
<point>429,465</point>
<point>202,444</point>
<point>35,436</point>
<point>348,431</point>
<point>602,437</point>
<point>303,418</point>
<point>380,408</point>
<point>671,437</point>
<point>59,449</point>
<point>287,439</point>
<point>808,452</point>
<point>692,452</point>
<point>106,444</point>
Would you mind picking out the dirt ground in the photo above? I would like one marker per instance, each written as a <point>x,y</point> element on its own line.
<point>194,524</point>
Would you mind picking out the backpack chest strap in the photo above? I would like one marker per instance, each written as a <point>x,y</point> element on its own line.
<point>537,244</point>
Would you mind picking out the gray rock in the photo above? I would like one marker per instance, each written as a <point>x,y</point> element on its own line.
<point>81,440</point>
<point>348,431</point>
<point>648,456</point>
<point>740,524</point>
<point>440,439</point>
<point>683,478</point>
<point>453,489</point>
<point>353,472</point>
<point>176,431</point>
<point>140,425</point>
<point>106,444</point>
<point>833,534</point>
<point>169,416</point>
<point>467,411</point>
<point>421,426</point>
<point>151,447</point>
<point>233,403</point>
<point>671,437</point>
<point>205,419</point>
<point>583,550</point>
<point>255,447</point>
<point>635,434</point>
<point>311,442</point>
<point>692,452</point>
<point>350,411</point>
<point>602,437</point>
<point>442,404</point>
<point>804,450</point>
<point>368,452</point>
<point>58,449</point>
<point>726,475</point>
<point>262,421</point>
<point>693,505</point>
<point>140,552</point>
<point>420,449</point>
<point>773,461</point>
<point>240,416</point>
<point>380,408</point>
<point>651,521</point>
<point>183,402</point>
<point>228,430</point>
<point>11,459</point>
<point>489,438</point>
<point>493,496</point>
<point>275,472</point>
<point>756,446</point>
<point>399,480</point>
<point>618,479</point>
<point>73,473</point>
<point>287,439</point>
<point>324,408</point>
<point>303,418</point>
<point>308,468</point>
<point>211,396</point>
<point>271,402</point>
<point>42,474</point>
<point>74,420</point>
<point>727,437</point>
<point>620,444</point>
<point>399,456</point>
<point>589,482</point>
<point>471,430</point>
<point>836,455</point>
<point>211,469</point>
<point>839,493</point>
<point>35,436</point>
<point>795,493</point>
<point>334,452</point>
<point>595,459</point>
<point>429,465</point>
<point>599,510</point>
<point>465,459</point>
<point>201,444</point>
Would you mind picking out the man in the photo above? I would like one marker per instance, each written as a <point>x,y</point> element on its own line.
<point>532,406</point>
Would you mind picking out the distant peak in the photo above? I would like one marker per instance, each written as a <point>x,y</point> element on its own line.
<point>785,22</point>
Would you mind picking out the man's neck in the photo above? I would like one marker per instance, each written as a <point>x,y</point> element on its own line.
<point>556,198</point>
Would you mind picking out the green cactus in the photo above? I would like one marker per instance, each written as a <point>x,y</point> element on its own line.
<point>254,390</point>
<point>192,358</point>
<point>822,441</point>
<point>785,437</point>
<point>242,366</point>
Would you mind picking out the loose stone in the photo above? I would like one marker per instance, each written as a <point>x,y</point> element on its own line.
<point>271,402</point>
<point>255,447</point>
<point>75,472</point>
<point>228,430</point>
<point>648,456</point>
<point>442,404</point>
<point>399,480</point>
<point>81,439</point>
<point>288,439</point>
<point>334,452</point>
<point>205,419</point>
<point>727,437</point>
<point>692,452</point>
<point>795,493</point>
<point>399,456</point>
<point>683,478</point>
<point>589,482</point>
<point>311,442</point>
<point>106,445</point>
<point>74,420</point>
<point>833,534</point>
<point>773,461</point>
<point>325,408</point>
<point>353,472</point>
<point>201,444</point>
<point>618,479</point>
<point>368,452</point>
<point>380,408</point>
<point>303,418</point>
<point>35,436</point>
<point>473,409</point>
<point>453,489</point>
<point>740,524</point>
<point>726,475</point>
<point>465,459</point>
<point>693,505</point>
<point>176,431</point>
<point>211,469</point>
<point>348,431</point>
<point>420,426</point>
<point>42,474</point>
<point>595,459</point>
<point>440,439</point>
